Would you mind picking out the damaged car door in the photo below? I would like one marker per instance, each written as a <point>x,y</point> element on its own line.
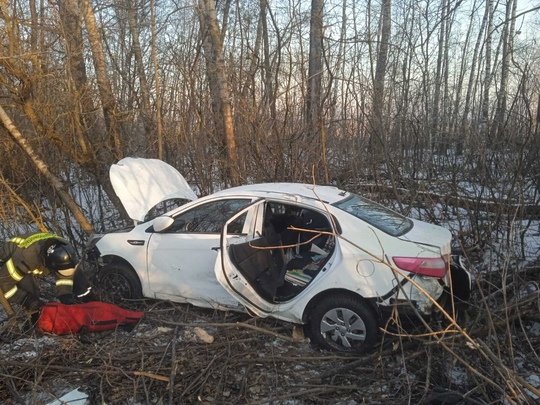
<point>254,256</point>
<point>279,263</point>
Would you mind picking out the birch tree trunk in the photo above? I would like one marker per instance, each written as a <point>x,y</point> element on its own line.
<point>42,168</point>
<point>473,72</point>
<point>34,24</point>
<point>487,66</point>
<point>508,39</point>
<point>143,82</point>
<point>221,97</point>
<point>269,96</point>
<point>459,87</point>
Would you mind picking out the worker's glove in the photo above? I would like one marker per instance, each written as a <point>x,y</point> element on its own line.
<point>67,299</point>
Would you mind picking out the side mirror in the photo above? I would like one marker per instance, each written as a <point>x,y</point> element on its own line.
<point>162,223</point>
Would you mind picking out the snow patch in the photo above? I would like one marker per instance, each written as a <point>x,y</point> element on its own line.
<point>534,380</point>
<point>74,397</point>
<point>535,329</point>
<point>457,376</point>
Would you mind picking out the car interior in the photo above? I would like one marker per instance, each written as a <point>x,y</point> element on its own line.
<point>293,247</point>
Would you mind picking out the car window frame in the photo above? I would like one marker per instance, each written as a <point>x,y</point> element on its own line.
<point>175,215</point>
<point>331,218</point>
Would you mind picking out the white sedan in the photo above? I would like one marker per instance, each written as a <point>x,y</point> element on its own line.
<point>314,255</point>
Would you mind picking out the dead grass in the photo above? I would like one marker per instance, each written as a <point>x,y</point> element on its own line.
<point>182,354</point>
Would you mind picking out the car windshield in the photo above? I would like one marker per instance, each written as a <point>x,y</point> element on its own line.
<point>374,214</point>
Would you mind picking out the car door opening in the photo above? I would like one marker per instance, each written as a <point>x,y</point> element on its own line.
<point>293,247</point>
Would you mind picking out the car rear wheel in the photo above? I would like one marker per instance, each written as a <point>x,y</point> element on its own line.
<point>118,282</point>
<point>344,324</point>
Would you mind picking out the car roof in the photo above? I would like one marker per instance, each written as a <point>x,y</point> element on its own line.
<point>298,191</point>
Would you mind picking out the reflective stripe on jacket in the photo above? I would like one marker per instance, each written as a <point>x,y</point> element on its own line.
<point>36,237</point>
<point>11,292</point>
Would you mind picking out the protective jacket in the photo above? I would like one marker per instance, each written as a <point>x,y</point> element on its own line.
<point>23,259</point>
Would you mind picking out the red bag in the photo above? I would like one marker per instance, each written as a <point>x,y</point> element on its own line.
<point>93,316</point>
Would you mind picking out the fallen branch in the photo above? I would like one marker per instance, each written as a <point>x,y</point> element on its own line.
<point>151,375</point>
<point>230,325</point>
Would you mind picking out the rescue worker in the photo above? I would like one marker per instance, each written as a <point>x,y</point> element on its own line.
<point>23,259</point>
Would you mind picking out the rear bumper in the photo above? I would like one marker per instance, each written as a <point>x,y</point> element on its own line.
<point>411,300</point>
<point>422,292</point>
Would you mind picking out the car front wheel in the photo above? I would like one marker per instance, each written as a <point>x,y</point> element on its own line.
<point>344,324</point>
<point>118,282</point>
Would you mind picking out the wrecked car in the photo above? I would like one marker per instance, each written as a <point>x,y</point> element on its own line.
<point>319,256</point>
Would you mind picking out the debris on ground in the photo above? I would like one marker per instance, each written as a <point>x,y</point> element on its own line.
<point>183,354</point>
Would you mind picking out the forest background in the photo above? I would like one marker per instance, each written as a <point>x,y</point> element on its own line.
<point>434,102</point>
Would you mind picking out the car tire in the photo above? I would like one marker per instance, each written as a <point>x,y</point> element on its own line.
<point>343,323</point>
<point>118,282</point>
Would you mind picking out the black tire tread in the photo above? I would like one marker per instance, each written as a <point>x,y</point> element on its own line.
<point>124,271</point>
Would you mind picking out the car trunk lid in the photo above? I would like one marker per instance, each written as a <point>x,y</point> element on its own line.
<point>430,235</point>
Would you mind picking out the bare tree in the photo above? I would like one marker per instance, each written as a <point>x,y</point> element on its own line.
<point>482,32</point>
<point>219,88</point>
<point>146,113</point>
<point>71,30</point>
<point>376,141</point>
<point>108,101</point>
<point>508,39</point>
<point>313,98</point>
<point>157,83</point>
<point>55,182</point>
<point>487,65</point>
<point>435,118</point>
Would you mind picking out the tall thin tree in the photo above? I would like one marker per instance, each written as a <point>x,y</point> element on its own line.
<point>314,85</point>
<point>108,101</point>
<point>219,87</point>
<point>508,40</point>
<point>376,140</point>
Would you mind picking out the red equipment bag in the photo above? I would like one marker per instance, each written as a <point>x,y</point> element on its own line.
<point>92,316</point>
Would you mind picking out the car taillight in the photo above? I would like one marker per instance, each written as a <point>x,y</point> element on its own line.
<point>425,266</point>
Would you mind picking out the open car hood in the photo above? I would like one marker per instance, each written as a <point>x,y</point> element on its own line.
<point>140,184</point>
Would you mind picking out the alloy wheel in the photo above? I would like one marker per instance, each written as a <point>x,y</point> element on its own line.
<point>343,327</point>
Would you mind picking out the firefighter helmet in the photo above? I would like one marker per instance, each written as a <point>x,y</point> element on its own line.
<point>60,256</point>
